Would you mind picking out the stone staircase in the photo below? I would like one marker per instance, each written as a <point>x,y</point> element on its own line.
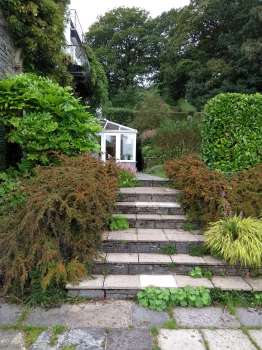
<point>136,258</point>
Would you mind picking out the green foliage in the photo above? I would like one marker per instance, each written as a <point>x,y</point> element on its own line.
<point>198,272</point>
<point>43,118</point>
<point>169,324</point>
<point>160,298</point>
<point>57,231</point>
<point>126,178</point>
<point>118,223</point>
<point>120,40</point>
<point>11,195</point>
<point>237,240</point>
<point>168,249</point>
<point>56,331</point>
<point>198,250</point>
<point>232,132</point>
<point>38,29</point>
<point>31,334</point>
<point>188,66</point>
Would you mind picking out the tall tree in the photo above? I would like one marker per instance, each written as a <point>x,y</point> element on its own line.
<point>216,46</point>
<point>121,41</point>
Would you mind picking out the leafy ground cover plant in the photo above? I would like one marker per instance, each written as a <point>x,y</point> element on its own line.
<point>238,240</point>
<point>232,132</point>
<point>57,231</point>
<point>198,272</point>
<point>43,117</point>
<point>118,223</point>
<point>160,299</point>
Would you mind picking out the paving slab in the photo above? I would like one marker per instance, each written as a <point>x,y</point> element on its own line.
<point>127,235</point>
<point>181,339</point>
<point>97,281</point>
<point>255,283</point>
<point>145,318</point>
<point>153,236</point>
<point>154,258</point>
<point>210,260</point>
<point>183,237</point>
<point>204,318</point>
<point>148,177</point>
<point>122,258</point>
<point>187,259</point>
<point>122,282</point>
<point>225,339</point>
<point>230,283</point>
<point>11,340</point>
<point>9,313</point>
<point>183,281</point>
<point>129,339</point>
<point>250,317</point>
<point>106,314</point>
<point>161,281</point>
<point>256,336</point>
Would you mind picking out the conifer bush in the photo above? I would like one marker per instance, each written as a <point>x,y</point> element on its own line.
<point>57,230</point>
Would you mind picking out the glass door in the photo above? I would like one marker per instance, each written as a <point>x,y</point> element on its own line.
<point>110,146</point>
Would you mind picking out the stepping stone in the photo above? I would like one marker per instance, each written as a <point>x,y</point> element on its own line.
<point>180,339</point>
<point>145,318</point>
<point>250,317</point>
<point>255,283</point>
<point>205,317</point>
<point>231,283</point>
<point>161,281</point>
<point>147,258</point>
<point>129,339</point>
<point>122,258</point>
<point>256,335</point>
<point>225,339</point>
<point>9,313</point>
<point>122,282</point>
<point>187,259</point>
<point>183,281</point>
<point>11,340</point>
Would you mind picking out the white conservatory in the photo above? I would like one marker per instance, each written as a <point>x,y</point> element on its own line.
<point>118,142</point>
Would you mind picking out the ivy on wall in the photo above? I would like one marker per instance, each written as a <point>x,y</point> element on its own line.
<point>37,27</point>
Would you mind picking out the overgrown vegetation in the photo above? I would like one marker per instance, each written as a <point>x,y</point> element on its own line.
<point>126,178</point>
<point>237,240</point>
<point>209,195</point>
<point>198,272</point>
<point>118,223</point>
<point>57,231</point>
<point>232,132</point>
<point>42,118</point>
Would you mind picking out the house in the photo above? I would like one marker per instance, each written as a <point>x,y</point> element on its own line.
<point>118,142</point>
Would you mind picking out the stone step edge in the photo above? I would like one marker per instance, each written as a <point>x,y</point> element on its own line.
<point>141,204</point>
<point>151,217</point>
<point>117,237</point>
<point>138,282</point>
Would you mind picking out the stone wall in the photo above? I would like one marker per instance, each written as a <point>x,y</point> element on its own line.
<point>10,63</point>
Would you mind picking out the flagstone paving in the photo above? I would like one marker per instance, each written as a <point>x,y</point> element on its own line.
<point>124,325</point>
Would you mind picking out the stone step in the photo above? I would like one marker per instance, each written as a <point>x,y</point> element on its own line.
<point>154,220</point>
<point>161,208</point>
<point>148,194</point>
<point>149,240</point>
<point>126,286</point>
<point>146,180</point>
<point>149,263</point>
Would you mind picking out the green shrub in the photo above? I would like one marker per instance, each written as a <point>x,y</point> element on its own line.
<point>126,178</point>
<point>118,223</point>
<point>57,231</point>
<point>160,299</point>
<point>232,132</point>
<point>237,240</point>
<point>43,118</point>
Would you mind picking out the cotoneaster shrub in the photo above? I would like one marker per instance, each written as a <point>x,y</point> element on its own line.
<point>232,132</point>
<point>43,117</point>
<point>57,231</point>
<point>209,195</point>
<point>237,240</point>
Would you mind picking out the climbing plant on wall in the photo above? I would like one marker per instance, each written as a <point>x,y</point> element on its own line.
<point>37,28</point>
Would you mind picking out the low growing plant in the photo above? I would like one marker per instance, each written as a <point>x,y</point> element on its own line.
<point>238,240</point>
<point>198,272</point>
<point>118,223</point>
<point>126,178</point>
<point>198,250</point>
<point>168,249</point>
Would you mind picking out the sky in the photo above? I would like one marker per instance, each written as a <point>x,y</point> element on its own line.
<point>88,11</point>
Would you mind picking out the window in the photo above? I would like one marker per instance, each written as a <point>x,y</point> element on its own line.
<point>110,146</point>
<point>127,147</point>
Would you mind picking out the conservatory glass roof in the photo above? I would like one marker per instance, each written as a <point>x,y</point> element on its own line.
<point>107,125</point>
